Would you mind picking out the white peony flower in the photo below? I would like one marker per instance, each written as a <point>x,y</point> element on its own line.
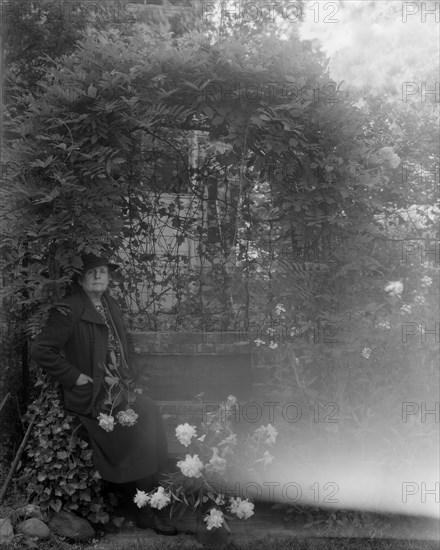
<point>242,508</point>
<point>231,400</point>
<point>279,308</point>
<point>366,352</point>
<point>216,464</point>
<point>395,288</point>
<point>141,498</point>
<point>259,342</point>
<point>127,417</point>
<point>419,300</point>
<point>214,519</point>
<point>406,308</point>
<point>267,433</point>
<point>184,433</point>
<point>426,280</point>
<point>106,422</point>
<point>160,499</point>
<point>267,458</point>
<point>191,466</point>
<point>273,345</point>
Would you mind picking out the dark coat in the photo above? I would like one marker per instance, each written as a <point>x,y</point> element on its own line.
<point>76,342</point>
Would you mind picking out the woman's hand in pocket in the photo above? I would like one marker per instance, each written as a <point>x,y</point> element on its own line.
<point>83,379</point>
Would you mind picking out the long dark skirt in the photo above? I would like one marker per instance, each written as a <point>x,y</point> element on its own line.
<point>130,453</point>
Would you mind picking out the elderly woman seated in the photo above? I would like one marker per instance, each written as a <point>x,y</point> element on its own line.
<point>83,346</point>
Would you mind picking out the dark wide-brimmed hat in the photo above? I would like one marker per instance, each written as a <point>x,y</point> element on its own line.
<point>91,260</point>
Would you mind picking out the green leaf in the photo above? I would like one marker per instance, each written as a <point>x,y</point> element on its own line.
<point>91,91</point>
<point>208,111</point>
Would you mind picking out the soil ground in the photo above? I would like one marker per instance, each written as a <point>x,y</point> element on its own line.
<point>267,529</point>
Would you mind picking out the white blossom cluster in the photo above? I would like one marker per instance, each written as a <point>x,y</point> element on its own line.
<point>192,466</point>
<point>214,519</point>
<point>267,433</point>
<point>184,433</point>
<point>159,499</point>
<point>242,508</point>
<point>366,352</point>
<point>279,309</point>
<point>267,458</point>
<point>426,280</point>
<point>125,418</point>
<point>217,464</point>
<point>206,460</point>
<point>395,288</point>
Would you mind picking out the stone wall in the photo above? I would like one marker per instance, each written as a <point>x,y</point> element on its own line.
<point>186,373</point>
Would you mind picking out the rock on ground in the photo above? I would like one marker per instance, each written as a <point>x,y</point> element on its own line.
<point>6,531</point>
<point>34,527</point>
<point>68,525</point>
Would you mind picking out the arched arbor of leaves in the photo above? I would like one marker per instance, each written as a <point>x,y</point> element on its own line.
<point>92,152</point>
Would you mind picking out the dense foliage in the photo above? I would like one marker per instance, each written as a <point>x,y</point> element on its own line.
<point>59,472</point>
<point>286,174</point>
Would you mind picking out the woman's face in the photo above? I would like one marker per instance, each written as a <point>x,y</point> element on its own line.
<point>95,281</point>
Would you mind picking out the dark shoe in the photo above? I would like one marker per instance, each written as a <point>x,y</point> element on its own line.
<point>147,519</point>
